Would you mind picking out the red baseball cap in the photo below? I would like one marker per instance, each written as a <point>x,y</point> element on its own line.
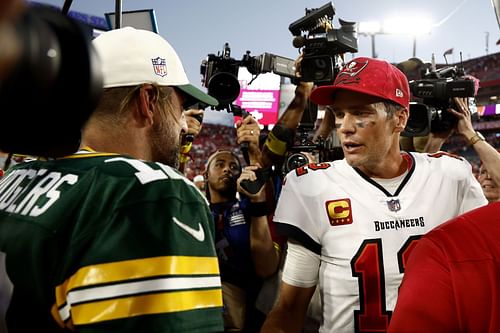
<point>369,76</point>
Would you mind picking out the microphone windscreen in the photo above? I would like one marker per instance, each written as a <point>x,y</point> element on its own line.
<point>298,42</point>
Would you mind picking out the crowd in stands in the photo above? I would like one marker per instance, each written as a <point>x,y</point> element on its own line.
<point>486,68</point>
<point>211,138</point>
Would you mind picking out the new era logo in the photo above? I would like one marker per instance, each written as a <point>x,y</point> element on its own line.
<point>339,211</point>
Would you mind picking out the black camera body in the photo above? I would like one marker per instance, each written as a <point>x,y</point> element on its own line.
<point>321,44</point>
<point>267,63</point>
<point>220,72</point>
<point>220,77</point>
<point>436,89</point>
<point>52,89</point>
<point>296,156</point>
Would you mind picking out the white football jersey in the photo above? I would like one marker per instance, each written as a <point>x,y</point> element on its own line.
<point>363,233</point>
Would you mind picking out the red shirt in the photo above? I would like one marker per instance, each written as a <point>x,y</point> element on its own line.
<point>452,279</point>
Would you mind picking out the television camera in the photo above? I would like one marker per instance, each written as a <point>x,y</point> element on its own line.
<point>53,87</point>
<point>220,73</point>
<point>321,44</point>
<point>436,90</point>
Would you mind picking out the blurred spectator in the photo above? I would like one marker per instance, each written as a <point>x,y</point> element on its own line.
<point>199,181</point>
<point>490,188</point>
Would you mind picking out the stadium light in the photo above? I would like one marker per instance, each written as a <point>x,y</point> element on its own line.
<point>414,26</point>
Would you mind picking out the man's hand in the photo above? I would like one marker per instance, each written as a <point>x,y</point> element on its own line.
<point>463,114</point>
<point>194,118</point>
<point>248,173</point>
<point>247,130</point>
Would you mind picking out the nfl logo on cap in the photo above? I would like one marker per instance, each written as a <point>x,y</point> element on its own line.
<point>159,66</point>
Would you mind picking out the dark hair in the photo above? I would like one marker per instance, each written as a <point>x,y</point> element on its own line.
<point>220,151</point>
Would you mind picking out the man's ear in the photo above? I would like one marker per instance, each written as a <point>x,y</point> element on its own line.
<point>144,114</point>
<point>401,117</point>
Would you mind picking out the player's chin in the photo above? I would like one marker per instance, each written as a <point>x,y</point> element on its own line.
<point>353,160</point>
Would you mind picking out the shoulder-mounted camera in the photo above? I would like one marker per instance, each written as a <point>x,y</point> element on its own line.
<point>436,90</point>
<point>322,44</point>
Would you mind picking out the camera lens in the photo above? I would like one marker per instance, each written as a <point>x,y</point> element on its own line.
<point>54,87</point>
<point>224,87</point>
<point>294,161</point>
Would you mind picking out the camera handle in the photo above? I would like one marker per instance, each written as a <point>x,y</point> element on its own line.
<point>190,137</point>
<point>254,187</point>
<point>238,111</point>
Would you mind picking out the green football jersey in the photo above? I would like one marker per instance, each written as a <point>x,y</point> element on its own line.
<point>106,243</point>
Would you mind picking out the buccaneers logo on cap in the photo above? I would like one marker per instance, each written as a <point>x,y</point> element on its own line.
<point>349,72</point>
<point>159,66</point>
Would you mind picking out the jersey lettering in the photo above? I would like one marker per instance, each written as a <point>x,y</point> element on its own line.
<point>443,153</point>
<point>300,171</point>
<point>404,252</point>
<point>145,174</point>
<point>53,194</point>
<point>368,266</point>
<point>318,166</point>
<point>17,197</point>
<point>14,188</point>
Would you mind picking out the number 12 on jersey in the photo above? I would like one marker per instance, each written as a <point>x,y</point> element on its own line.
<point>368,266</point>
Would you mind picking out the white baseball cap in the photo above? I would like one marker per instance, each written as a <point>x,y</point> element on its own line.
<point>198,178</point>
<point>132,56</point>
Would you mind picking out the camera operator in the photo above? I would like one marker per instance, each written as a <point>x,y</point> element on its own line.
<point>113,238</point>
<point>347,220</point>
<point>490,188</point>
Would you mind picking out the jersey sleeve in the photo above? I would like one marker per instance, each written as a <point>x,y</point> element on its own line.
<point>425,300</point>
<point>150,266</point>
<point>298,208</point>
